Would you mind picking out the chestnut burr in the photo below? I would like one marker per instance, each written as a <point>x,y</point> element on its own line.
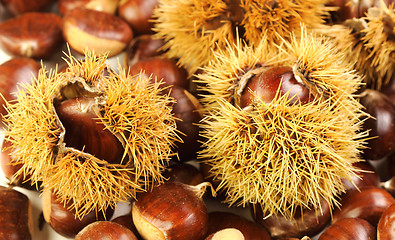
<point>171,211</point>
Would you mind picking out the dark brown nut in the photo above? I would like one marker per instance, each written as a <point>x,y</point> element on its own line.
<point>349,228</point>
<point>385,227</point>
<point>162,69</point>
<point>309,223</point>
<point>382,126</point>
<point>63,220</point>
<point>99,31</point>
<point>138,13</point>
<point>127,221</point>
<point>108,6</point>
<point>183,173</point>
<point>17,7</point>
<point>366,177</point>
<point>368,204</point>
<point>13,73</point>
<point>171,211</point>
<point>227,233</point>
<point>141,48</point>
<point>85,132</point>
<point>35,35</point>
<point>102,230</point>
<point>15,212</point>
<point>221,220</point>
<point>186,109</point>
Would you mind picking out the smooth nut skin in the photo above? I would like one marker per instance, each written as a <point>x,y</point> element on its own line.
<point>62,219</point>
<point>183,173</point>
<point>251,231</point>
<point>310,223</point>
<point>138,14</point>
<point>366,177</point>
<point>102,230</point>
<point>98,31</point>
<point>349,229</point>
<point>162,69</point>
<point>382,126</point>
<point>368,204</point>
<point>16,71</point>
<point>17,7</point>
<point>108,6</point>
<point>141,48</point>
<point>386,225</point>
<point>186,110</point>
<point>265,85</point>
<point>34,35</point>
<point>14,215</point>
<point>172,208</point>
<point>85,132</point>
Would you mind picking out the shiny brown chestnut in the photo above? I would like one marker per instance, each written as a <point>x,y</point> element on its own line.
<point>218,220</point>
<point>227,233</point>
<point>162,69</point>
<point>98,31</point>
<point>13,73</point>
<point>366,176</point>
<point>138,13</point>
<point>18,7</point>
<point>382,125</point>
<point>103,230</point>
<point>141,48</point>
<point>349,228</point>
<point>183,173</point>
<point>35,35</point>
<point>108,6</point>
<point>171,210</point>
<point>309,223</point>
<point>85,131</point>
<point>15,215</point>
<point>186,110</point>
<point>385,227</point>
<point>368,204</point>
<point>265,84</point>
<point>63,220</point>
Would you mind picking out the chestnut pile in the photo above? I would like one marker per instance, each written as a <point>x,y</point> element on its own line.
<point>204,119</point>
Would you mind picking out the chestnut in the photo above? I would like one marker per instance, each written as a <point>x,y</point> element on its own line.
<point>35,35</point>
<point>183,173</point>
<point>382,125</point>
<point>18,7</point>
<point>138,13</point>
<point>15,215</point>
<point>63,219</point>
<point>367,176</point>
<point>171,210</point>
<point>108,6</point>
<point>162,69</point>
<point>264,85</point>
<point>349,228</point>
<point>103,230</point>
<point>311,222</point>
<point>141,48</point>
<point>13,73</point>
<point>385,227</point>
<point>219,220</point>
<point>227,233</point>
<point>84,130</point>
<point>186,110</point>
<point>368,204</point>
<point>99,31</point>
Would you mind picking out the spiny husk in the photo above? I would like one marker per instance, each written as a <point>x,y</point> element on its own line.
<point>282,156</point>
<point>194,29</point>
<point>129,106</point>
<point>379,38</point>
